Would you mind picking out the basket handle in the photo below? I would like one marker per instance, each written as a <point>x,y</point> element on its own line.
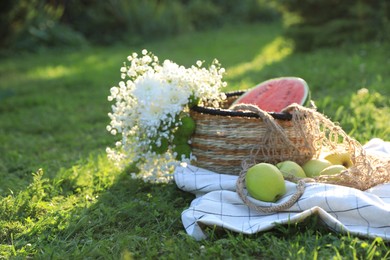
<point>267,119</point>
<point>240,184</point>
<point>274,128</point>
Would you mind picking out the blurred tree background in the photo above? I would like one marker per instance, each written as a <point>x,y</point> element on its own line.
<point>32,25</point>
<point>314,24</point>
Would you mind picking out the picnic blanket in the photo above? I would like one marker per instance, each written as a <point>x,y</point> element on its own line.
<point>343,209</point>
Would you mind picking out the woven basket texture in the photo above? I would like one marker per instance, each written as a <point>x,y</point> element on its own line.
<point>221,142</point>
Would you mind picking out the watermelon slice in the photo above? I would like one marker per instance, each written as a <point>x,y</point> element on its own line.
<point>275,94</point>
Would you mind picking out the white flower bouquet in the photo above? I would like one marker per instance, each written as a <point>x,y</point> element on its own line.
<point>150,112</point>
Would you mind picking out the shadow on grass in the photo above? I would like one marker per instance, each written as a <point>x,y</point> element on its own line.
<point>102,213</point>
<point>91,210</point>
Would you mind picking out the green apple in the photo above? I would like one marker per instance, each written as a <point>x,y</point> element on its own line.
<point>313,167</point>
<point>179,139</point>
<point>340,158</point>
<point>291,168</point>
<point>265,182</point>
<point>333,169</point>
<point>182,149</point>
<point>186,127</point>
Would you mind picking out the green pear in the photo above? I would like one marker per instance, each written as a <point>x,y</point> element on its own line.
<point>291,168</point>
<point>333,169</point>
<point>265,182</point>
<point>313,167</point>
<point>340,158</point>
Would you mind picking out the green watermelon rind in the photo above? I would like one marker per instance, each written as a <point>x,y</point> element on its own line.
<point>305,97</point>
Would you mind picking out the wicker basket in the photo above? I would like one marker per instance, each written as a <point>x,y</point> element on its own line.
<point>224,138</point>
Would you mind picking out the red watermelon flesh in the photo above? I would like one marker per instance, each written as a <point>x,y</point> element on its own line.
<point>275,94</point>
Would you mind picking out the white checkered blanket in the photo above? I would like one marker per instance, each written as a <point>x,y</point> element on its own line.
<point>343,209</point>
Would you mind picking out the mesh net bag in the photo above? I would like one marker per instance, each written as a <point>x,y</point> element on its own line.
<point>366,171</point>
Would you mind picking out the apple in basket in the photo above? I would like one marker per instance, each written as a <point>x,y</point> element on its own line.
<point>291,168</point>
<point>265,182</point>
<point>313,167</point>
<point>333,169</point>
<point>340,158</point>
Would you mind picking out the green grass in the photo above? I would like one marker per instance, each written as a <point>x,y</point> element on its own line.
<point>60,198</point>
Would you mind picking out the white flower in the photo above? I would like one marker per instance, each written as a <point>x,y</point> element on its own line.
<point>147,104</point>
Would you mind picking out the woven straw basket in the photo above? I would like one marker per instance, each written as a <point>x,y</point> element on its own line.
<point>224,138</point>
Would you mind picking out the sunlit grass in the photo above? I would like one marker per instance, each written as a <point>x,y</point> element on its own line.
<point>50,72</point>
<point>231,45</point>
<point>53,117</point>
<point>273,52</point>
<point>371,112</point>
